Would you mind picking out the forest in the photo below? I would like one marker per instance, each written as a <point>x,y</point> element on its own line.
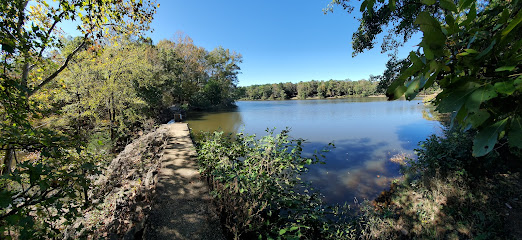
<point>311,89</point>
<point>69,105</point>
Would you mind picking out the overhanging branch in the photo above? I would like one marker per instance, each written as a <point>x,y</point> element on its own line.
<point>59,70</point>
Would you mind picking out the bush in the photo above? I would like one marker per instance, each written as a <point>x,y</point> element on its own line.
<point>257,187</point>
<point>447,194</point>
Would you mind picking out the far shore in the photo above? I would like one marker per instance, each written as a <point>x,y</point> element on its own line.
<point>424,96</point>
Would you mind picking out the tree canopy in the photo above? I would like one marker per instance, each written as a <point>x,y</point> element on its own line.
<point>470,48</point>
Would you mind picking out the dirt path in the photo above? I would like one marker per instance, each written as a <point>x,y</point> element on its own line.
<point>181,208</point>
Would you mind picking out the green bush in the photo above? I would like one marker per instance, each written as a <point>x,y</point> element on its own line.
<point>257,187</point>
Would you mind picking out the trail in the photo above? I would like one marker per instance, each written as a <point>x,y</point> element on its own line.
<point>181,208</point>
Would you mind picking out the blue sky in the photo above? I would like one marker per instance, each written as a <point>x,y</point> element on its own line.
<point>280,40</point>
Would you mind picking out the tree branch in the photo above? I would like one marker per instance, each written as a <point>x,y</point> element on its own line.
<point>64,65</point>
<point>49,31</point>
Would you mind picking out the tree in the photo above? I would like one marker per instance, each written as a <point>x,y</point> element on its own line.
<point>472,50</point>
<point>30,61</point>
<point>223,68</point>
<point>106,86</point>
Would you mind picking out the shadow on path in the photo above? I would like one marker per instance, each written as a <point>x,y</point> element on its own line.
<point>181,208</point>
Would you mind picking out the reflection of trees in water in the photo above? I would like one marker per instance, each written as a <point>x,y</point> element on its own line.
<point>429,113</point>
<point>355,168</point>
<point>228,122</point>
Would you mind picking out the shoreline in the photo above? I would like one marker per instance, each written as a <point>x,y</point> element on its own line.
<point>423,96</point>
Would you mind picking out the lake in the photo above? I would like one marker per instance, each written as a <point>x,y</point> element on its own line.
<point>367,133</point>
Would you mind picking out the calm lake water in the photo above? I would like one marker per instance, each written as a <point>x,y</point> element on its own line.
<point>367,132</point>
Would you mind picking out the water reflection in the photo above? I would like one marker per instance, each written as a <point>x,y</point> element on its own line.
<point>229,122</point>
<point>356,168</point>
<point>367,132</point>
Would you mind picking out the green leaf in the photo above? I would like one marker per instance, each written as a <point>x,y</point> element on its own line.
<point>43,185</point>
<point>465,4</point>
<point>505,68</point>
<point>515,132</point>
<point>478,118</point>
<point>364,4</point>
<point>454,100</point>
<point>462,54</point>
<point>5,199</point>
<point>412,89</point>
<point>415,59</point>
<point>293,228</point>
<point>428,53</point>
<point>452,27</point>
<point>486,138</point>
<point>507,87</point>
<point>448,5</point>
<point>518,81</point>
<point>428,2</point>
<point>470,17</point>
<point>487,50</point>
<point>432,31</point>
<point>424,18</point>
<point>504,17</point>
<point>479,96</point>
<point>397,92</point>
<point>461,115</point>
<point>282,231</point>
<point>512,24</point>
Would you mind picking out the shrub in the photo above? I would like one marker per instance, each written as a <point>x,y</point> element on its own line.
<point>257,187</point>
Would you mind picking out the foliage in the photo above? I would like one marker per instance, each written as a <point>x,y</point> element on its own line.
<point>473,55</point>
<point>190,75</point>
<point>98,90</point>
<point>41,193</point>
<point>311,89</point>
<point>257,186</point>
<point>471,49</point>
<point>44,195</point>
<point>396,17</point>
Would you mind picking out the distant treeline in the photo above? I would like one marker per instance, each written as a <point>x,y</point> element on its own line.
<point>311,89</point>
<point>317,89</point>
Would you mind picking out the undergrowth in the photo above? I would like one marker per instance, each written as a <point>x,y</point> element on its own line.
<point>445,194</point>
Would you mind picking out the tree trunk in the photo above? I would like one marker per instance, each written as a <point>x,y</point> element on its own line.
<point>8,160</point>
